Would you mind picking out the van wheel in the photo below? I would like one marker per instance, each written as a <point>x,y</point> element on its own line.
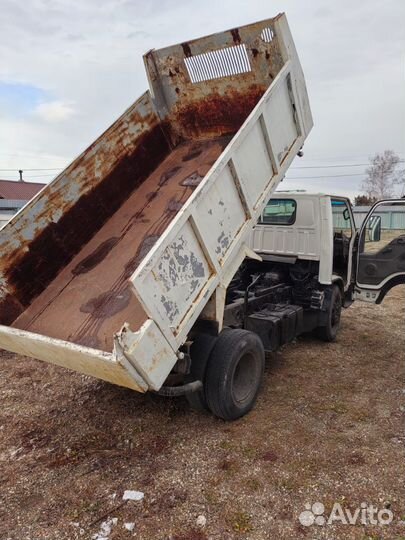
<point>234,373</point>
<point>333,315</point>
<point>200,351</point>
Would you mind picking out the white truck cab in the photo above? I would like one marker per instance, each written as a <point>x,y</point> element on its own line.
<point>365,262</point>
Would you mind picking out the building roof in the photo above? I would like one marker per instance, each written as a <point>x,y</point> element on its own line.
<point>17,190</point>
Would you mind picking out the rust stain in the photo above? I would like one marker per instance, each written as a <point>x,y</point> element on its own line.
<point>236,36</point>
<point>10,309</point>
<point>145,246</point>
<point>96,257</point>
<point>174,206</point>
<point>107,304</point>
<point>217,114</point>
<point>165,177</point>
<point>186,50</point>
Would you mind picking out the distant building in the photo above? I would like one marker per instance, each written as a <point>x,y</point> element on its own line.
<point>14,195</point>
<point>392,217</point>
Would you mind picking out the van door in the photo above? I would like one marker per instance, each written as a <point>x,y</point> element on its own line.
<point>381,251</point>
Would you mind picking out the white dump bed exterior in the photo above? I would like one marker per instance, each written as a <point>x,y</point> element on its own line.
<point>204,246</point>
<point>186,273</point>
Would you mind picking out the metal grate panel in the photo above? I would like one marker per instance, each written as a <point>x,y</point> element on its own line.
<point>267,35</point>
<point>217,64</point>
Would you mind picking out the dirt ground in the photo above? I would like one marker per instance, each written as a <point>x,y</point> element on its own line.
<point>328,427</point>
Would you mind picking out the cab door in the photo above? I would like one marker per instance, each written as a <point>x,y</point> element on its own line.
<point>381,251</point>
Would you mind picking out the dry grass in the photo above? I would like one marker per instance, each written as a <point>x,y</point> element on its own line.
<point>328,427</point>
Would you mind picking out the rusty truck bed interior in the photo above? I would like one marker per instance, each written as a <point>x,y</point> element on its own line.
<point>91,298</point>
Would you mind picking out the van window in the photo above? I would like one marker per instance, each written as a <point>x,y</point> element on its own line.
<point>279,212</point>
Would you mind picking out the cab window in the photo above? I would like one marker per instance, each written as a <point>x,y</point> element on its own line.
<point>279,212</point>
<point>384,227</point>
<point>342,221</point>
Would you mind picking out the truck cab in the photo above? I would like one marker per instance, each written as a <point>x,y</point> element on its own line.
<point>364,259</point>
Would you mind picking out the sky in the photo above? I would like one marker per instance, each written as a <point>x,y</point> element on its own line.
<point>69,68</point>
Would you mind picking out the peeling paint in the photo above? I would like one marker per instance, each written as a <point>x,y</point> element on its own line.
<point>223,242</point>
<point>193,180</point>
<point>171,308</point>
<point>196,266</point>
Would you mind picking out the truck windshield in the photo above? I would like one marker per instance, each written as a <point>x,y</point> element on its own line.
<point>279,212</point>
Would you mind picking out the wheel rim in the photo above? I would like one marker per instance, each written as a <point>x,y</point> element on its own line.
<point>244,377</point>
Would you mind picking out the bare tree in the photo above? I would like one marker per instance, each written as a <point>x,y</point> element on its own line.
<point>382,175</point>
<point>364,200</point>
<point>401,182</point>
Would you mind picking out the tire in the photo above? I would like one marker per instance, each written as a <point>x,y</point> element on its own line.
<point>200,352</point>
<point>330,330</point>
<point>234,374</point>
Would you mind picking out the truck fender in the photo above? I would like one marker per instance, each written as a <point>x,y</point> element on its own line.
<point>337,280</point>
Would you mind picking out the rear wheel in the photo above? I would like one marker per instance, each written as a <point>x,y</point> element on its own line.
<point>234,374</point>
<point>334,310</point>
<point>199,352</point>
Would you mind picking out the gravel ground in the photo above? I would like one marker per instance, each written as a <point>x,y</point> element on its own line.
<point>328,427</point>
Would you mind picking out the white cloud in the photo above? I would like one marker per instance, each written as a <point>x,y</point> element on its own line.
<point>54,111</point>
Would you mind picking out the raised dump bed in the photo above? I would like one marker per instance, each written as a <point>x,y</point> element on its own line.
<point>108,269</point>
<point>92,294</point>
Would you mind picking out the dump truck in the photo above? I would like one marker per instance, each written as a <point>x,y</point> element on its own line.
<point>163,259</point>
<point>120,267</point>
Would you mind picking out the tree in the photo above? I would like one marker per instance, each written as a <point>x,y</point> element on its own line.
<point>401,182</point>
<point>364,200</point>
<point>383,175</point>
